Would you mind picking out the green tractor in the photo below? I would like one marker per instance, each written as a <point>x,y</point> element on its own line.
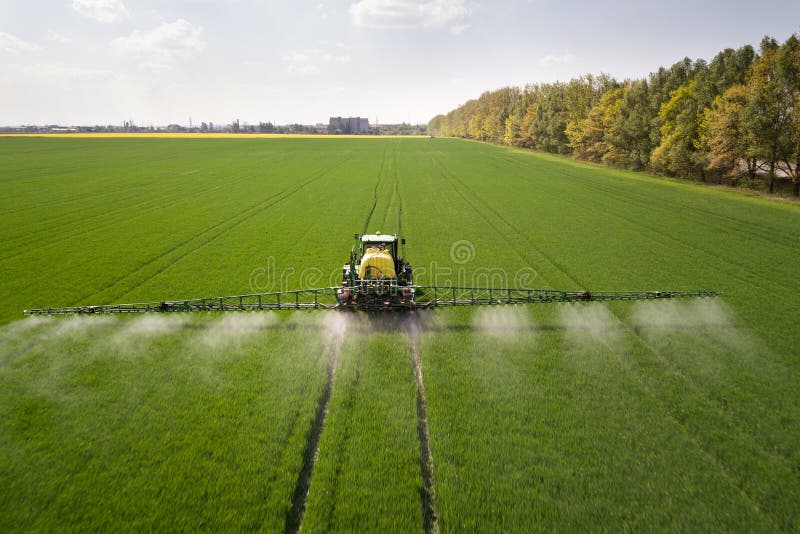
<point>376,277</point>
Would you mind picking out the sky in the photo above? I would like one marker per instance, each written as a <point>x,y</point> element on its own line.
<point>87,62</point>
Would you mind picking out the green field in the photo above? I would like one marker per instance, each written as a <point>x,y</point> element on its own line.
<point>669,415</point>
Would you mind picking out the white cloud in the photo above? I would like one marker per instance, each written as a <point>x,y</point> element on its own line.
<point>552,60</point>
<point>163,45</point>
<point>458,29</point>
<point>58,38</point>
<point>302,68</point>
<point>406,14</point>
<point>64,73</point>
<point>308,61</point>
<point>102,10</point>
<point>333,58</point>
<point>15,46</point>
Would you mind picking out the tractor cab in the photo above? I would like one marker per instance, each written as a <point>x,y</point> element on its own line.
<point>379,241</point>
<point>376,275</point>
<point>376,257</point>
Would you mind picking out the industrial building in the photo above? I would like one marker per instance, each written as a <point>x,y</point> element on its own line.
<point>348,125</point>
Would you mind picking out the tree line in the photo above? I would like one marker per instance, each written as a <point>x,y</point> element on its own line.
<point>735,119</point>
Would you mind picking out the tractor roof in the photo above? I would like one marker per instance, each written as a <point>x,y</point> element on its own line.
<point>378,238</point>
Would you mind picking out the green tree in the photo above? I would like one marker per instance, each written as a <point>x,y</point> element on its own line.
<point>678,153</point>
<point>725,136</point>
<point>632,129</point>
<point>765,116</point>
<point>788,71</point>
<point>592,138</point>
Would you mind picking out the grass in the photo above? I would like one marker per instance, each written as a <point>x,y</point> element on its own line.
<point>107,425</point>
<point>670,416</point>
<point>368,468</point>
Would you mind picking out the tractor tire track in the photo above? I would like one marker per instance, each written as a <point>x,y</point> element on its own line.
<point>395,202</point>
<point>668,366</point>
<point>724,263</point>
<point>74,220</point>
<point>765,233</point>
<point>397,191</point>
<point>392,194</point>
<point>658,356</point>
<point>698,443</point>
<point>375,192</point>
<point>204,237</point>
<point>45,241</point>
<point>660,239</point>
<point>686,243</point>
<point>635,369</point>
<point>282,445</point>
<point>754,228</point>
<point>503,235</point>
<point>428,490</point>
<point>294,517</point>
<point>347,409</point>
<point>88,224</point>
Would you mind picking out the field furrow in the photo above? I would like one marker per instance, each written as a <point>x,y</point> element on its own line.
<point>82,224</point>
<point>367,470</point>
<point>376,191</point>
<point>170,439</point>
<point>428,492</point>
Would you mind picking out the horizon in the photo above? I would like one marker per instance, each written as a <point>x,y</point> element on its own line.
<point>104,62</point>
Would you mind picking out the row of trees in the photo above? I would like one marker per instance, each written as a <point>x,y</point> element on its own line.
<point>735,117</point>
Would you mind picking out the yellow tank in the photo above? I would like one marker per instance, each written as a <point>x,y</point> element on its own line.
<point>376,264</point>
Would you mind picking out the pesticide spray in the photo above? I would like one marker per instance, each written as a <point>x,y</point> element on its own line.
<point>504,323</point>
<point>236,328</point>
<point>586,324</point>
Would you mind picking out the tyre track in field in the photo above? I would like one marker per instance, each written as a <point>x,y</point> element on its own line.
<point>148,206</point>
<point>723,263</point>
<point>177,190</point>
<point>452,180</point>
<point>397,190</point>
<point>395,199</point>
<point>722,257</point>
<point>38,338</point>
<point>428,490</point>
<point>292,427</point>
<point>667,364</point>
<point>203,238</point>
<point>754,229</point>
<point>660,238</point>
<point>392,193</point>
<point>30,241</point>
<point>766,233</point>
<point>61,201</point>
<point>375,191</point>
<point>654,353</point>
<point>294,517</point>
<point>727,473</point>
<point>347,429</point>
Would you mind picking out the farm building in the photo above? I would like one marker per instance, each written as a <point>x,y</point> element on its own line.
<point>348,125</point>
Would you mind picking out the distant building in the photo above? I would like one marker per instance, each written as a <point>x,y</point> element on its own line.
<point>348,125</point>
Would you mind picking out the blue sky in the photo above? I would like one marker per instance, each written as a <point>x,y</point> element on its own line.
<point>160,62</point>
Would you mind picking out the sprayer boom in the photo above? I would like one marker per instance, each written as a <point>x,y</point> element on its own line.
<point>328,299</point>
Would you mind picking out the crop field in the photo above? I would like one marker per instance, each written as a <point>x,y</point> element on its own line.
<point>670,415</point>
